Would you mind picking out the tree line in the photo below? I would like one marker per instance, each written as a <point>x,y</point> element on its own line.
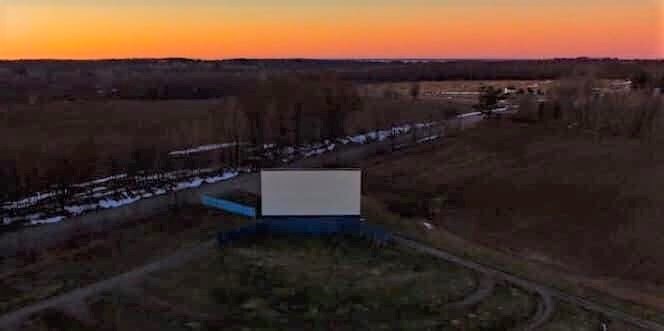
<point>281,110</point>
<point>168,79</point>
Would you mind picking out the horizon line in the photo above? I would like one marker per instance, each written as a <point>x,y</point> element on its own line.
<point>358,59</point>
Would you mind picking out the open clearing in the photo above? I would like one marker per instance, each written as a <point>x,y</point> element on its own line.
<point>462,92</point>
<point>304,284</point>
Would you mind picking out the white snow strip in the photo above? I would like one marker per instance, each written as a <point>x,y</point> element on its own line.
<point>288,150</point>
<point>80,209</point>
<point>381,135</point>
<point>193,183</point>
<point>344,141</point>
<point>29,201</point>
<point>101,180</point>
<point>106,193</point>
<point>50,220</point>
<point>477,113</point>
<point>205,148</point>
<point>222,177</point>
<point>358,139</point>
<point>10,220</point>
<point>428,225</point>
<point>113,203</point>
<point>425,125</point>
<point>452,93</point>
<point>499,110</point>
<point>95,191</point>
<point>318,151</point>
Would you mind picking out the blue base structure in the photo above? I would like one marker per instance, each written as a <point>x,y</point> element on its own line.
<point>228,206</point>
<point>309,227</point>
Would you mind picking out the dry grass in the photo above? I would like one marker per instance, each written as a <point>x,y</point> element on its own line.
<point>320,284</point>
<point>548,195</point>
<point>92,258</point>
<point>430,91</point>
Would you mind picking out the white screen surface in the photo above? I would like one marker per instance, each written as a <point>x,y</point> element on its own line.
<point>311,192</point>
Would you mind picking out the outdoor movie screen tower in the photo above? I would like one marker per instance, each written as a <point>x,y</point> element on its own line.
<point>315,193</point>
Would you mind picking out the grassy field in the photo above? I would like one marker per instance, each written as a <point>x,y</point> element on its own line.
<point>89,259</point>
<point>446,91</point>
<point>291,283</point>
<point>554,203</point>
<point>311,284</point>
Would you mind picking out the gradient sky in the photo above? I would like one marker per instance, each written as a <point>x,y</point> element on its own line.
<point>331,29</point>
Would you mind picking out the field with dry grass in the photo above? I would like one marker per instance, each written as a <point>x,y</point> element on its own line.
<point>460,92</point>
<point>547,194</point>
<point>304,284</point>
<point>89,258</point>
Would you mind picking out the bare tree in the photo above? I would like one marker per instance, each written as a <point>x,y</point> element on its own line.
<point>415,90</point>
<point>62,175</point>
<point>234,125</point>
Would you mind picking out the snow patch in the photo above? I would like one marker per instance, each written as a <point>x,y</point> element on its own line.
<point>477,113</point>
<point>225,176</point>
<point>499,110</point>
<point>31,217</point>
<point>358,139</point>
<point>193,183</point>
<point>344,141</point>
<point>29,201</point>
<point>101,180</point>
<point>205,148</point>
<point>49,220</point>
<point>80,209</point>
<point>427,225</point>
<point>288,150</point>
<point>113,203</point>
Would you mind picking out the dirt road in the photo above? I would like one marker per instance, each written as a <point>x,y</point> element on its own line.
<point>77,297</point>
<point>546,294</point>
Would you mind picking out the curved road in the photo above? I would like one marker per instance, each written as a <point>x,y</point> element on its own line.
<point>546,307</point>
<point>484,289</point>
<point>547,294</point>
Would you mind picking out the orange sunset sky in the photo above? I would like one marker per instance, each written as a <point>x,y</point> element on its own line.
<point>331,29</point>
